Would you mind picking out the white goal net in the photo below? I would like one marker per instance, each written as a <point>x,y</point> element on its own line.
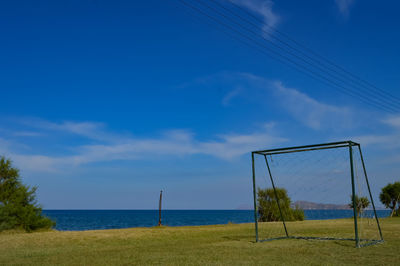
<point>315,192</point>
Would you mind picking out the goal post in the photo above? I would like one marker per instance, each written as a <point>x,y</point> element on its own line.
<point>314,183</point>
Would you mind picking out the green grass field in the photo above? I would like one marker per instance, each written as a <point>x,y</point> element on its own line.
<point>200,245</point>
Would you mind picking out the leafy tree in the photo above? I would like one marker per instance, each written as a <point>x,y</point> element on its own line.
<point>268,209</point>
<point>18,207</point>
<point>390,197</point>
<point>361,204</point>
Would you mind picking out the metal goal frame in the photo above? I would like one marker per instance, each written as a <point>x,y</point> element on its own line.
<point>333,145</point>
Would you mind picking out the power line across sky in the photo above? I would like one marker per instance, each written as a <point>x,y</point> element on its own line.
<point>244,26</point>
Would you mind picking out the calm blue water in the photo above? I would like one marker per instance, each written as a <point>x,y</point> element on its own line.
<point>108,219</point>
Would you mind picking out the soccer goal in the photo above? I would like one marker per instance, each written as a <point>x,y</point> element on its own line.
<point>314,192</point>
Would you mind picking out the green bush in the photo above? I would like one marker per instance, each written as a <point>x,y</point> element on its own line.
<point>18,206</point>
<point>268,209</point>
<point>297,214</point>
<point>361,204</point>
<point>390,197</point>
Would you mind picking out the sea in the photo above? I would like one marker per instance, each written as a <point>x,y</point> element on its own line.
<point>79,220</point>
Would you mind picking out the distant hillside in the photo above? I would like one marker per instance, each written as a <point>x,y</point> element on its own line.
<point>307,205</point>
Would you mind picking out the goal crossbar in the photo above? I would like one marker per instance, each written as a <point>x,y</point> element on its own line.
<point>313,147</point>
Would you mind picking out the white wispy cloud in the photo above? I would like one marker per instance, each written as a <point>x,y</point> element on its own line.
<point>116,147</point>
<point>11,150</point>
<point>234,145</point>
<point>311,112</point>
<point>388,140</point>
<point>178,143</point>
<point>374,139</point>
<point>304,108</point>
<point>393,121</point>
<point>263,9</point>
<point>230,95</point>
<point>27,134</point>
<point>344,6</point>
<point>88,129</point>
<point>37,163</point>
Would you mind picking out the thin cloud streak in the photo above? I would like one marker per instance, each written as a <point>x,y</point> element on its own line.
<point>88,129</point>
<point>393,121</point>
<point>307,110</point>
<point>389,141</point>
<point>230,95</point>
<point>263,9</point>
<point>178,143</point>
<point>344,7</point>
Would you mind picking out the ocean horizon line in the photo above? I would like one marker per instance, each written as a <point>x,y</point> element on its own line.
<point>147,209</point>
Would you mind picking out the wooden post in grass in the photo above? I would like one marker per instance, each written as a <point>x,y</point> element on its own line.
<point>159,209</point>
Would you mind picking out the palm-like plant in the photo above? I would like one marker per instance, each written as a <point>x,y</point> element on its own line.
<point>361,204</point>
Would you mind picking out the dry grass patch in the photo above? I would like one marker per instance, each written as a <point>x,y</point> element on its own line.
<point>230,244</point>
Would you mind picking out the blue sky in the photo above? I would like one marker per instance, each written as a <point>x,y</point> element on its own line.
<point>104,103</point>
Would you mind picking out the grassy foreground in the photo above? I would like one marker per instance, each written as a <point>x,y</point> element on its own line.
<point>199,245</point>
